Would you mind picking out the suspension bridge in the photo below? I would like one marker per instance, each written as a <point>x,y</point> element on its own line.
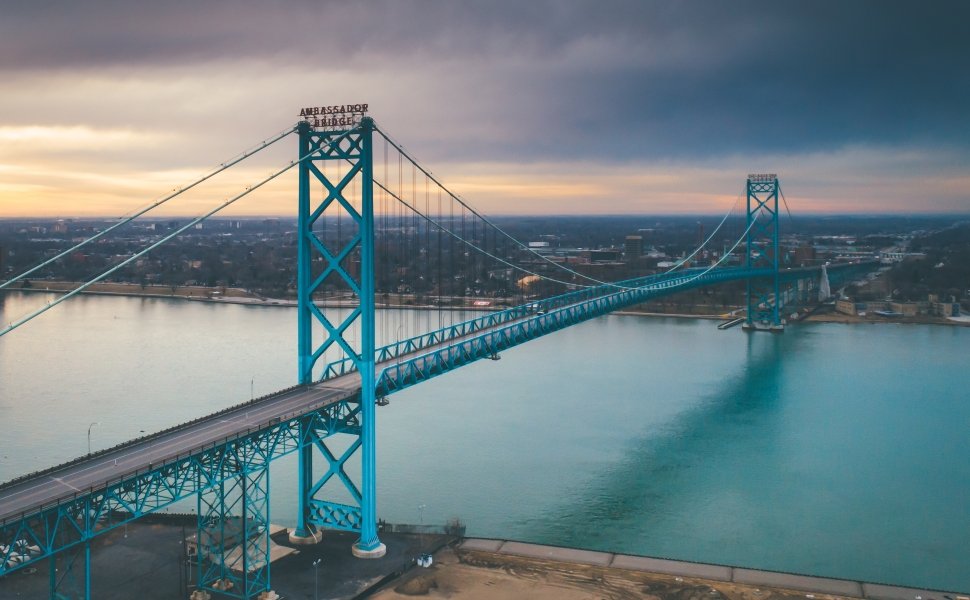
<point>376,230</point>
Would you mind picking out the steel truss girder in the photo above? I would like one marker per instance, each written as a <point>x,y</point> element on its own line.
<point>75,521</point>
<point>800,285</point>
<point>494,319</point>
<point>840,274</point>
<point>558,315</point>
<point>491,320</point>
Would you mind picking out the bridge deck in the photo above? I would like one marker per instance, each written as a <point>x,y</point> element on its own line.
<point>93,472</point>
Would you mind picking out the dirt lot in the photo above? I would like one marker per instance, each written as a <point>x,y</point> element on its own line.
<point>459,575</point>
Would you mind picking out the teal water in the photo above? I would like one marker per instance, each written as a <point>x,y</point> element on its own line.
<point>833,450</point>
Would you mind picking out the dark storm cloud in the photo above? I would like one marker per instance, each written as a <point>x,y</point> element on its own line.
<point>615,79</point>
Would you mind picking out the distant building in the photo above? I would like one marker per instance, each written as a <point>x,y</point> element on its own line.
<point>601,270</point>
<point>906,309</point>
<point>945,309</point>
<point>633,247</point>
<point>600,256</point>
<point>804,254</point>
<point>850,307</point>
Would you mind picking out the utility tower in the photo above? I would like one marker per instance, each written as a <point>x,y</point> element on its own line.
<point>762,253</point>
<point>336,260</point>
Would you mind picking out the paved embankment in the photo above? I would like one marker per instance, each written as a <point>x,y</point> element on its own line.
<point>147,561</point>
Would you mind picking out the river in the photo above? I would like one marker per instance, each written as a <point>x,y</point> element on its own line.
<point>834,450</point>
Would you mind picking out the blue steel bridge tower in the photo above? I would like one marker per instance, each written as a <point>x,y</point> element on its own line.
<point>335,251</point>
<point>762,253</point>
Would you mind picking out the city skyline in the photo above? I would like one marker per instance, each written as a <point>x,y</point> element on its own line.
<point>628,108</point>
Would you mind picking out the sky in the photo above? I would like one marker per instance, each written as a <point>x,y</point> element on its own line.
<point>538,107</point>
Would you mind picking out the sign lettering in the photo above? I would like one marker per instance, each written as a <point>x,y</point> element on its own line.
<point>333,116</point>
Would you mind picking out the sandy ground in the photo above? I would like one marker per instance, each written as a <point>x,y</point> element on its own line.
<point>875,319</point>
<point>460,575</point>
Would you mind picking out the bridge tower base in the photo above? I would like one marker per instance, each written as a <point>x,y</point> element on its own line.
<point>311,538</point>
<point>761,326</point>
<point>376,552</point>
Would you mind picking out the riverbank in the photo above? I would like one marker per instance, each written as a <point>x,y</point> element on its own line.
<point>192,292</point>
<point>229,295</point>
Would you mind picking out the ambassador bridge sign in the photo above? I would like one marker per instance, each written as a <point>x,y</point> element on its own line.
<point>337,115</point>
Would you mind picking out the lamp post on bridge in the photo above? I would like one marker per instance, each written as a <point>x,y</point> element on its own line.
<point>316,579</point>
<point>89,435</point>
<point>421,508</point>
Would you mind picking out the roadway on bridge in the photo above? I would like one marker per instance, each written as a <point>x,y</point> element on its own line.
<point>96,471</point>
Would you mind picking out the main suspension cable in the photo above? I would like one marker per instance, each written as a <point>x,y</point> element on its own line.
<point>128,219</point>
<point>725,255</point>
<point>14,325</point>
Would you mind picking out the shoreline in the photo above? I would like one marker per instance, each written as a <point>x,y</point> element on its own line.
<point>243,297</point>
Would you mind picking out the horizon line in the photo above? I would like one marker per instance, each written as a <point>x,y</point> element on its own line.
<point>496,215</point>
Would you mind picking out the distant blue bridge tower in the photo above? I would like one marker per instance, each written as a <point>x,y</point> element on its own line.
<point>762,252</point>
<point>344,260</point>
